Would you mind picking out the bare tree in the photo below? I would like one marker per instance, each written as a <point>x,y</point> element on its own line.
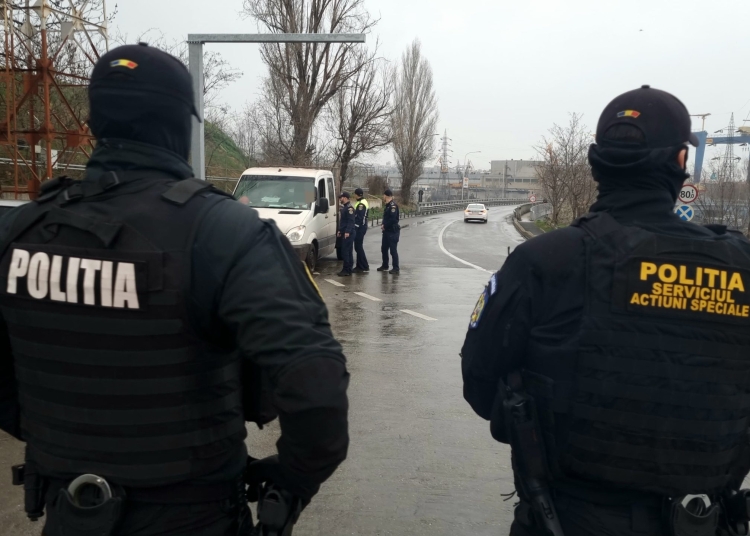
<point>550,178</point>
<point>244,132</point>
<point>565,174</point>
<point>359,118</point>
<point>304,77</point>
<point>414,117</point>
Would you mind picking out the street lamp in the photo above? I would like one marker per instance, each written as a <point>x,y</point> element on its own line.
<point>465,170</point>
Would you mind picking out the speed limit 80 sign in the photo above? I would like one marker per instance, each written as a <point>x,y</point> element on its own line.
<point>688,194</point>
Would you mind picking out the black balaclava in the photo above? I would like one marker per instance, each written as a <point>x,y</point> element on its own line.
<point>621,169</point>
<point>142,94</point>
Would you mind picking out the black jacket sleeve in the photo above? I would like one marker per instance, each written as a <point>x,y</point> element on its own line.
<point>269,304</point>
<point>496,340</point>
<point>9,408</point>
<point>9,412</point>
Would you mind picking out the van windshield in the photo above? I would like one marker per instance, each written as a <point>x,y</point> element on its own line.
<point>266,191</point>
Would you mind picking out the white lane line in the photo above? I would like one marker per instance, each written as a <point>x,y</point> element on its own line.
<point>335,283</point>
<point>418,315</point>
<point>452,256</point>
<point>373,298</point>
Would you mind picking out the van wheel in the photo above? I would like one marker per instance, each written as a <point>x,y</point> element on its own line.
<point>312,258</point>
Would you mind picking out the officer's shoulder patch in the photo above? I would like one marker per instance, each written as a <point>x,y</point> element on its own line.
<point>360,207</point>
<point>476,315</point>
<point>393,209</point>
<point>493,284</point>
<point>351,210</point>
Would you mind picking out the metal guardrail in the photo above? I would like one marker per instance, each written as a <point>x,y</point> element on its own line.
<point>424,209</point>
<point>448,206</point>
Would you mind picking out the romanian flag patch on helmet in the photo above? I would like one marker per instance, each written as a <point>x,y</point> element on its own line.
<point>123,63</point>
<point>629,113</point>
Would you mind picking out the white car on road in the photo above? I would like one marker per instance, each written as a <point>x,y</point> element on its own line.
<point>475,211</point>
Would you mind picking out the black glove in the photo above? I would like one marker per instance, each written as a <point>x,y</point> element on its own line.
<point>270,470</point>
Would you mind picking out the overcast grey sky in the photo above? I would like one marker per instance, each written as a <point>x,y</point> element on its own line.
<point>506,71</point>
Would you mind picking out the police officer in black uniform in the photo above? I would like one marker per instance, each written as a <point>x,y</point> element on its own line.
<point>143,312</point>
<point>347,233</point>
<point>361,210</point>
<point>391,233</point>
<point>614,355</point>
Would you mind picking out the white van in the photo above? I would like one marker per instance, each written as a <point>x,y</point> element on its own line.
<point>9,204</point>
<point>301,201</point>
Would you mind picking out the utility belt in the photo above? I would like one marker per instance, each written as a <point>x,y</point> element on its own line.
<point>727,514</point>
<point>392,228</point>
<point>90,506</point>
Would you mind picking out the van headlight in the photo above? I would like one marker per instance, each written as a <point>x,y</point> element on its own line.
<point>295,234</point>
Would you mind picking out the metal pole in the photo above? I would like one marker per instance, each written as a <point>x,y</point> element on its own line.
<point>505,168</point>
<point>699,154</point>
<point>197,144</point>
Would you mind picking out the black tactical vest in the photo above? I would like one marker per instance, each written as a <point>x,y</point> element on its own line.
<point>112,378</point>
<point>653,394</point>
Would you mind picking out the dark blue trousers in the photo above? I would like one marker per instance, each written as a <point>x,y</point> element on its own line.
<point>348,251</point>
<point>390,244</point>
<point>362,263</point>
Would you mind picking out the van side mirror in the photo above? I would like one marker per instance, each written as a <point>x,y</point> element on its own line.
<point>322,206</point>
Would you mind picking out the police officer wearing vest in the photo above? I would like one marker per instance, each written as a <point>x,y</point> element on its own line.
<point>614,355</point>
<point>391,233</point>
<point>361,208</point>
<point>347,232</point>
<point>143,316</point>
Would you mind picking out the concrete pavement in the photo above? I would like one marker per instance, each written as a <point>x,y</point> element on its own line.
<point>421,462</point>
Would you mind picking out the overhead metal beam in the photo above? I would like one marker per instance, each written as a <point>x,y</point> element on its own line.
<point>195,52</point>
<point>277,38</point>
<point>704,140</point>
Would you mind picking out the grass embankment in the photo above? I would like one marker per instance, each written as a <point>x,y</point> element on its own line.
<point>546,226</point>
<point>224,158</point>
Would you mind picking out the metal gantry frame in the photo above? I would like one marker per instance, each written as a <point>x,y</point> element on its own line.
<point>704,140</point>
<point>195,52</point>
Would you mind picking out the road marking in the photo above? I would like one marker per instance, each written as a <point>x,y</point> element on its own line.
<point>452,256</point>
<point>335,283</point>
<point>418,315</point>
<point>373,298</point>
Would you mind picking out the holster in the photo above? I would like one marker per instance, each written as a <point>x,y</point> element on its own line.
<point>735,510</point>
<point>99,520</point>
<point>278,511</point>
<point>34,488</point>
<point>526,438</point>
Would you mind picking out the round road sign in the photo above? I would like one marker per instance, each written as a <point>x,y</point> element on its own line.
<point>532,198</point>
<point>685,212</point>
<point>688,194</point>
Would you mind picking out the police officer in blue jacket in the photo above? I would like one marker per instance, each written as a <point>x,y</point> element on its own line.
<point>391,232</point>
<point>347,232</point>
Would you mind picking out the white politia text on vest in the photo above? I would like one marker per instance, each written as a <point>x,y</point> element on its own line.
<point>44,279</point>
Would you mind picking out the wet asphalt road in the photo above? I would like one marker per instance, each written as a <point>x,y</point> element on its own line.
<point>420,462</point>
